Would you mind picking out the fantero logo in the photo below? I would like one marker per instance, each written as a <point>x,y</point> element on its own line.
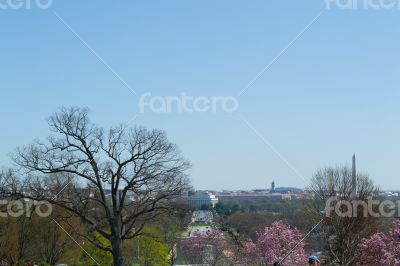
<point>366,208</point>
<point>185,103</point>
<point>362,4</point>
<point>18,208</point>
<point>25,4</point>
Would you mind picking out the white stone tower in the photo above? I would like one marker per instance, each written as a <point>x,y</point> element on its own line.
<point>272,190</point>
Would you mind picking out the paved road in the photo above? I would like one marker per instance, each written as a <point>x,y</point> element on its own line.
<point>202,217</point>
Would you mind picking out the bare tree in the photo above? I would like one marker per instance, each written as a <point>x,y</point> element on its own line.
<point>341,233</point>
<point>115,181</point>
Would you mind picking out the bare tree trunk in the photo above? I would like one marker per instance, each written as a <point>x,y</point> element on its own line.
<point>119,259</point>
<point>117,243</point>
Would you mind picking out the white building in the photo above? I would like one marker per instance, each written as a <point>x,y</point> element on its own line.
<point>199,199</point>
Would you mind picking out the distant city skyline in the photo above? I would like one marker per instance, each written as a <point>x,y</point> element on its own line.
<point>270,98</point>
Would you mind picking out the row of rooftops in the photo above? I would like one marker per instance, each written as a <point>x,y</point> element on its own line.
<point>258,192</point>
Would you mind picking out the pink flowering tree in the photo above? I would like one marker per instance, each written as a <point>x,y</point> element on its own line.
<point>381,248</point>
<point>209,248</point>
<point>277,243</point>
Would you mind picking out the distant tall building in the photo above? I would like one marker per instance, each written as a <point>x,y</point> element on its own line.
<point>354,179</point>
<point>272,187</point>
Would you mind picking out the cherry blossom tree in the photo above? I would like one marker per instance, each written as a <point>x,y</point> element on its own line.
<point>381,248</point>
<point>277,243</point>
<point>209,248</point>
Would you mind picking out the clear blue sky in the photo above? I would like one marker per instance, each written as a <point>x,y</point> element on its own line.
<point>334,92</point>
